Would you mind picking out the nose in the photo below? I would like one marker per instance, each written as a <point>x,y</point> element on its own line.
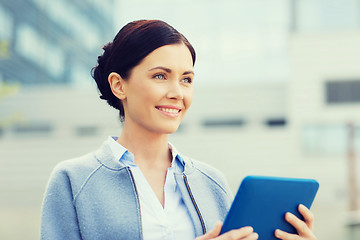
<point>175,91</point>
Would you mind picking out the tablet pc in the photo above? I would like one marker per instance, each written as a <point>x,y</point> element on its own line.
<point>261,202</point>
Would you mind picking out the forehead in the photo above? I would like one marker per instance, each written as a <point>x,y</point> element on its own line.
<point>172,56</point>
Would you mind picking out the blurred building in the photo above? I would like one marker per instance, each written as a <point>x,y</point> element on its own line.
<point>324,81</point>
<point>293,127</point>
<point>52,42</point>
<point>324,98</point>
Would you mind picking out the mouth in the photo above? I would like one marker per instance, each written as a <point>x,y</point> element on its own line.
<point>171,111</point>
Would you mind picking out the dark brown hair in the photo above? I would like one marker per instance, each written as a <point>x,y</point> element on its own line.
<point>130,46</point>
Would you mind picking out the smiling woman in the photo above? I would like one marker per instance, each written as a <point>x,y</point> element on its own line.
<point>131,45</point>
<point>158,92</point>
<point>137,186</point>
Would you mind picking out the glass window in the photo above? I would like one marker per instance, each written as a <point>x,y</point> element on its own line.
<point>345,91</point>
<point>26,43</point>
<point>37,49</point>
<point>75,22</point>
<point>102,5</point>
<point>6,28</point>
<point>41,3</point>
<point>224,122</point>
<point>325,139</point>
<point>80,75</point>
<point>315,15</point>
<point>276,122</point>
<point>86,131</point>
<point>55,59</point>
<point>33,128</point>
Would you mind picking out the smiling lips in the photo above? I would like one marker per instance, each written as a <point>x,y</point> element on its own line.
<point>171,111</point>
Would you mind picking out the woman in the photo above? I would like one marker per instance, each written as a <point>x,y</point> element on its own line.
<point>137,186</point>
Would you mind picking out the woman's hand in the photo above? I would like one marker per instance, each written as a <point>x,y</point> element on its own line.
<point>304,228</point>
<point>245,233</point>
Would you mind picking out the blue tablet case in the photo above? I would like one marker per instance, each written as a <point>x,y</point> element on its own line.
<point>261,202</point>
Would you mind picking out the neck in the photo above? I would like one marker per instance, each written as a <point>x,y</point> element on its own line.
<point>149,148</point>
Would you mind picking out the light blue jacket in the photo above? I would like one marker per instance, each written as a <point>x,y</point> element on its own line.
<point>95,197</point>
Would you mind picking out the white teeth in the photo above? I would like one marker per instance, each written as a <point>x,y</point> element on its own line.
<point>169,110</point>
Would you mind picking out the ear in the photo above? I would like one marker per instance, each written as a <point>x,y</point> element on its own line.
<point>117,85</point>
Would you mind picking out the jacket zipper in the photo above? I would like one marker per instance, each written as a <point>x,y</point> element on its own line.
<point>138,200</point>
<point>195,205</point>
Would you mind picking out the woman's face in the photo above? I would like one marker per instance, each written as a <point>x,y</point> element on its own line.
<point>159,90</point>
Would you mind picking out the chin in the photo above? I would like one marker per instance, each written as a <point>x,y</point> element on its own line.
<point>169,129</point>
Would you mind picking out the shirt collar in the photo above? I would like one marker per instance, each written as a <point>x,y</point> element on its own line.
<point>127,158</point>
<point>175,155</point>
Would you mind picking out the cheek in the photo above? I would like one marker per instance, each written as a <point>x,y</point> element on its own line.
<point>149,93</point>
<point>188,98</point>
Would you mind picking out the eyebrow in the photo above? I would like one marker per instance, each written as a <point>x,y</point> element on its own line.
<point>168,70</point>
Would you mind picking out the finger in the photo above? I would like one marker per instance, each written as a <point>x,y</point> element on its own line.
<point>212,233</point>
<point>300,226</point>
<point>308,216</point>
<point>285,236</point>
<point>242,233</point>
<point>252,236</point>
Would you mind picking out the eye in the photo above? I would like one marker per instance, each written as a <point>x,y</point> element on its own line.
<point>159,76</point>
<point>187,80</point>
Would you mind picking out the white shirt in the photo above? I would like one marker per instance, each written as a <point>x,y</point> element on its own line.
<point>170,222</point>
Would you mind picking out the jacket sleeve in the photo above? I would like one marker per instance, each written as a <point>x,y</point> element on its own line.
<point>59,219</point>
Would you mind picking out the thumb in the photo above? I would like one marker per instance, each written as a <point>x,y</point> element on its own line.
<point>212,233</point>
